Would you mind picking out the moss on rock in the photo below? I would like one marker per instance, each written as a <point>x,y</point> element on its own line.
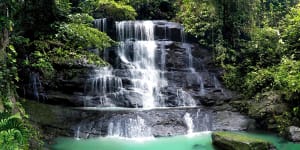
<point>235,141</point>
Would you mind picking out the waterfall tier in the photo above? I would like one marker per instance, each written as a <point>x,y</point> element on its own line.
<point>152,67</point>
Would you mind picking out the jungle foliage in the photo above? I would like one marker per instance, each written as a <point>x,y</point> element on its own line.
<point>256,42</point>
<point>35,35</point>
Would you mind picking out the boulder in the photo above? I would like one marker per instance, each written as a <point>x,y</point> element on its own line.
<point>294,133</point>
<point>234,141</point>
<point>265,108</point>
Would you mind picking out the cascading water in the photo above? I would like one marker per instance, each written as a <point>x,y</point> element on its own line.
<point>129,128</point>
<point>104,88</point>
<point>192,69</point>
<point>151,67</point>
<point>203,121</point>
<point>101,24</point>
<point>36,84</point>
<point>143,56</point>
<point>185,99</point>
<point>77,134</point>
<point>199,122</point>
<point>36,87</point>
<point>189,123</point>
<point>137,50</point>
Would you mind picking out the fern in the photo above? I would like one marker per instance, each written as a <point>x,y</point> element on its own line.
<point>13,132</point>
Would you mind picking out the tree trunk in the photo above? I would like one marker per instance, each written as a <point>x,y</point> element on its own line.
<point>4,39</point>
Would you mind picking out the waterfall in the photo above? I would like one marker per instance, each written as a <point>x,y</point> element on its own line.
<point>203,121</point>
<point>129,128</point>
<point>184,98</point>
<point>101,24</point>
<point>218,86</point>
<point>189,123</point>
<point>147,67</point>
<point>35,87</point>
<point>106,86</point>
<point>190,58</point>
<point>182,34</point>
<point>202,89</point>
<point>138,37</point>
<point>77,133</point>
<point>36,84</point>
<point>137,30</point>
<point>191,68</point>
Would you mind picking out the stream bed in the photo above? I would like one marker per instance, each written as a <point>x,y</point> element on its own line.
<point>195,141</point>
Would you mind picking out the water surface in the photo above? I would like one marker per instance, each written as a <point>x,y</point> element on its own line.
<point>196,141</point>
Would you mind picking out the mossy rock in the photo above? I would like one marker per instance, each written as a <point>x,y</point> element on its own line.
<point>235,141</point>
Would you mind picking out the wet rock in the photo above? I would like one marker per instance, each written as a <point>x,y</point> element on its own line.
<point>58,121</point>
<point>167,30</point>
<point>207,102</point>
<point>232,121</point>
<point>294,133</point>
<point>168,130</point>
<point>134,99</point>
<point>65,86</point>
<point>234,141</point>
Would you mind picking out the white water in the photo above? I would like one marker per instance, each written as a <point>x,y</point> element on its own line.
<point>193,70</point>
<point>218,85</point>
<point>101,24</point>
<point>36,86</point>
<point>129,128</point>
<point>138,37</point>
<point>105,83</point>
<point>189,123</point>
<point>184,98</point>
<point>77,134</point>
<point>203,121</point>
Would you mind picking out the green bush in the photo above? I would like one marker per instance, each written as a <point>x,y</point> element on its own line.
<point>284,77</point>
<point>259,81</point>
<point>108,9</point>
<point>40,62</point>
<point>154,9</point>
<point>114,10</point>
<point>199,19</point>
<point>291,32</point>
<point>287,78</point>
<point>81,18</point>
<point>81,36</point>
<point>8,70</point>
<point>69,57</point>
<point>63,6</point>
<point>266,47</point>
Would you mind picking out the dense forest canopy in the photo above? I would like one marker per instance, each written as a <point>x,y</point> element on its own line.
<point>256,42</point>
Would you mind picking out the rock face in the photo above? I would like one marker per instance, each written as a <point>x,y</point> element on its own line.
<point>294,133</point>
<point>66,87</point>
<point>232,121</point>
<point>269,104</point>
<point>233,141</point>
<point>88,123</point>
